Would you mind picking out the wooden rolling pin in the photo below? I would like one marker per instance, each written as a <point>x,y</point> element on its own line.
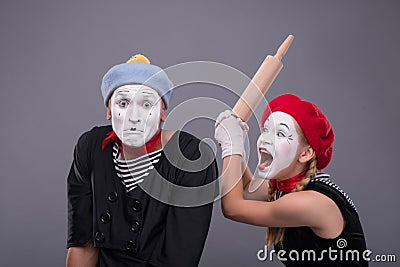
<point>261,82</point>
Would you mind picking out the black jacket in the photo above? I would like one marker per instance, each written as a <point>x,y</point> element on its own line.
<point>142,230</point>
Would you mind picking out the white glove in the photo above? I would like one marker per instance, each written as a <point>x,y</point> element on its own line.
<point>230,132</point>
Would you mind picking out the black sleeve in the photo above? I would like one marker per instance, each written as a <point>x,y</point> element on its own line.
<point>187,227</point>
<point>79,192</point>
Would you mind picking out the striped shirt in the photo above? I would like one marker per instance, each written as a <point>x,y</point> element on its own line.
<point>134,171</point>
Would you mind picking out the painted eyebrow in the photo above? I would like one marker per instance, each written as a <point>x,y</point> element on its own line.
<point>123,93</point>
<point>283,124</point>
<point>148,96</point>
<point>143,92</point>
<point>148,92</point>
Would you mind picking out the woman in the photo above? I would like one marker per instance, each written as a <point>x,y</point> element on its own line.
<point>309,218</point>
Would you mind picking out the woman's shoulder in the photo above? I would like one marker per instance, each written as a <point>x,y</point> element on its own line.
<point>323,184</point>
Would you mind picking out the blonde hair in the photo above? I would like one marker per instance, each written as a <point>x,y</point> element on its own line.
<point>275,235</point>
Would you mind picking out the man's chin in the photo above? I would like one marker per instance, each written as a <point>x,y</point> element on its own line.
<point>130,134</point>
<point>133,143</point>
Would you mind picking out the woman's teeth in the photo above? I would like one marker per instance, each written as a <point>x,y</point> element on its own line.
<point>265,159</point>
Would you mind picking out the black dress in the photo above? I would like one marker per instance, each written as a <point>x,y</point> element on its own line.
<point>302,247</point>
<point>137,229</point>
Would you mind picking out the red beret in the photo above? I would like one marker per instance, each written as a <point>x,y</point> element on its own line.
<point>316,127</point>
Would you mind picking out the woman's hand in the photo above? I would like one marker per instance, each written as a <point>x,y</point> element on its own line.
<point>230,132</point>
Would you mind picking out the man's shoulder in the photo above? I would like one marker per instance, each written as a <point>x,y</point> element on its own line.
<point>187,137</point>
<point>191,146</point>
<point>90,136</point>
<point>185,140</point>
<point>100,130</point>
<point>97,131</point>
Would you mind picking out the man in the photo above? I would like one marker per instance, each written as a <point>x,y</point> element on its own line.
<point>121,179</point>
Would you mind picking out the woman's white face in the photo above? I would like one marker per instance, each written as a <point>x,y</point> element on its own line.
<point>277,145</point>
<point>136,111</point>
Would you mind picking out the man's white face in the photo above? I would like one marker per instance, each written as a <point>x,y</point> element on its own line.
<point>277,145</point>
<point>136,111</point>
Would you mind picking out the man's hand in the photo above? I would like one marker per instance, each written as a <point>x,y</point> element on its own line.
<point>85,256</point>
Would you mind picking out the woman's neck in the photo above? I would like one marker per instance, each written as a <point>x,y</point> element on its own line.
<point>287,185</point>
<point>294,170</point>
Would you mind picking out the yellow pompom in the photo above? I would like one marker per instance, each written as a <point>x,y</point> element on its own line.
<point>138,58</point>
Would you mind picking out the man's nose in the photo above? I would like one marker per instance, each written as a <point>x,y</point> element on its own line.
<point>134,114</point>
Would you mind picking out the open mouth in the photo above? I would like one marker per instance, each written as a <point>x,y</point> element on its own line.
<point>265,158</point>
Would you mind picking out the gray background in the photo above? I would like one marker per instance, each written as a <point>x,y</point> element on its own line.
<point>54,53</point>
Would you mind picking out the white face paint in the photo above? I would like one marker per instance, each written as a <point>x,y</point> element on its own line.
<point>136,111</point>
<point>277,144</point>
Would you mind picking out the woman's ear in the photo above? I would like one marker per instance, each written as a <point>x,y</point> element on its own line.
<point>109,110</point>
<point>307,154</point>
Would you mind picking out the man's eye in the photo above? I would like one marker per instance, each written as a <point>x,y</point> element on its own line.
<point>146,104</point>
<point>265,130</point>
<point>123,103</point>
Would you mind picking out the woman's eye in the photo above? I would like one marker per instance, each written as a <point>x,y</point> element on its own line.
<point>280,134</point>
<point>265,130</point>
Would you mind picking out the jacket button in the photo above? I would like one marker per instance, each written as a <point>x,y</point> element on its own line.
<point>135,226</point>
<point>105,217</point>
<point>99,237</point>
<point>112,197</point>
<point>136,205</point>
<point>130,245</point>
